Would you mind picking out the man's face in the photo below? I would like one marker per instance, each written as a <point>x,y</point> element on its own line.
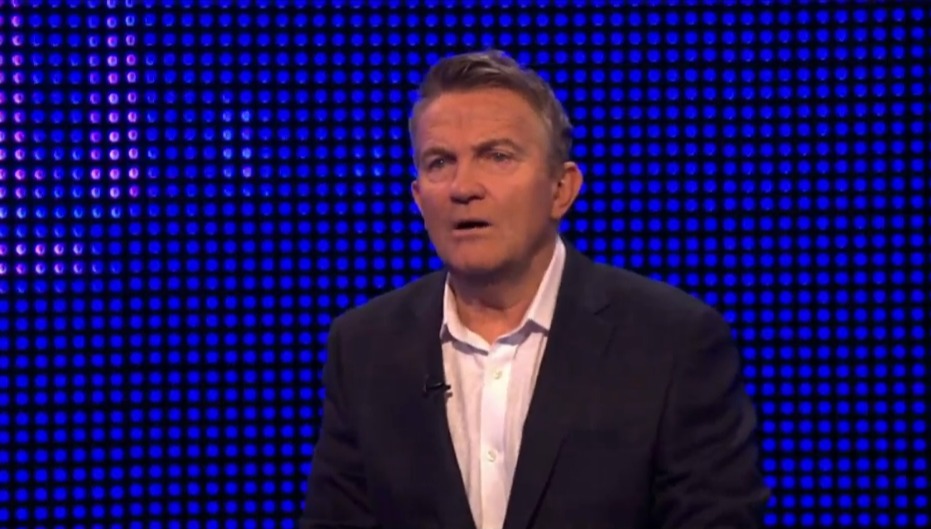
<point>487,190</point>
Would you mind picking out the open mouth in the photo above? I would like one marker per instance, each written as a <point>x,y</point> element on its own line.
<point>471,225</point>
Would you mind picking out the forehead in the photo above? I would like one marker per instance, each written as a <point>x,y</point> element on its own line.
<point>473,114</point>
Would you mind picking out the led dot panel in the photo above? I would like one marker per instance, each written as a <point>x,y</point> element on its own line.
<point>191,191</point>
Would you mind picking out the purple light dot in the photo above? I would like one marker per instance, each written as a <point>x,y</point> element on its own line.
<point>20,193</point>
<point>96,136</point>
<point>19,136</point>
<point>94,77</point>
<point>40,268</point>
<point>112,61</point>
<point>39,174</point>
<point>96,154</point>
<point>19,117</point>
<point>21,269</point>
<point>132,97</point>
<point>115,173</point>
<point>96,173</point>
<point>133,153</point>
<point>2,191</point>
<point>3,249</point>
<point>114,136</point>
<point>134,172</point>
<point>132,134</point>
<point>114,192</point>
<point>113,78</point>
<point>20,249</point>
<point>113,41</point>
<point>132,117</point>
<point>131,59</point>
<point>59,268</point>
<point>19,78</point>
<point>111,22</point>
<point>97,267</point>
<point>114,154</point>
<point>20,154</point>
<point>113,99</point>
<point>131,77</point>
<point>40,249</point>
<point>95,98</point>
<point>77,248</point>
<point>78,268</point>
<point>114,117</point>
<point>134,191</point>
<point>3,269</point>
<point>95,117</point>
<point>59,249</point>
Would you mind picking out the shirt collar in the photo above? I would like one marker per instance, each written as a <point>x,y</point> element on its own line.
<point>541,309</point>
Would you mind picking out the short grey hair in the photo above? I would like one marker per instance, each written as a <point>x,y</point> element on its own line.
<point>494,69</point>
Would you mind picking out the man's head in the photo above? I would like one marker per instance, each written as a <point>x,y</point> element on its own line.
<point>491,148</point>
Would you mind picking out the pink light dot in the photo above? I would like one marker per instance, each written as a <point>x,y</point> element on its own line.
<point>114,117</point>
<point>96,173</point>
<point>40,249</point>
<point>114,136</point>
<point>115,173</point>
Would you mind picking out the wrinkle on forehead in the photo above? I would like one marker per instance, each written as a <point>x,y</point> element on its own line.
<point>479,115</point>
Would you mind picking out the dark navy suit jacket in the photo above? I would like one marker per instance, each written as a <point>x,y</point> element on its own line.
<point>639,417</point>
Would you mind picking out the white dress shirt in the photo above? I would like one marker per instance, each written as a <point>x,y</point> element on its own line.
<point>491,386</point>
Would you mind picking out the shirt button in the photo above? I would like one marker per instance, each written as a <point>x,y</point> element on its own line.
<point>497,374</point>
<point>491,456</point>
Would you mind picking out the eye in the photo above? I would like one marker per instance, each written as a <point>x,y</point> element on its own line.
<point>500,156</point>
<point>436,163</point>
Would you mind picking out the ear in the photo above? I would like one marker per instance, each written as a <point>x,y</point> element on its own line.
<point>415,192</point>
<point>567,187</point>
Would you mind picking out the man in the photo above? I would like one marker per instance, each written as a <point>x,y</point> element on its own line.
<point>525,386</point>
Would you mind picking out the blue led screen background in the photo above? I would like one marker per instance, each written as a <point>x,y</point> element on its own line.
<point>190,192</point>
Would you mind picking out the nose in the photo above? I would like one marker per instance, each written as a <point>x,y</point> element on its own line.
<point>466,185</point>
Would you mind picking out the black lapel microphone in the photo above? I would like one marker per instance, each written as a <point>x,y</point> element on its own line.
<point>434,385</point>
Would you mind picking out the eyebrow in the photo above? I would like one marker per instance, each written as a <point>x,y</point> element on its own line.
<point>481,148</point>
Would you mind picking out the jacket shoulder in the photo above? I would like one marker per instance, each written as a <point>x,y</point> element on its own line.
<point>384,308</point>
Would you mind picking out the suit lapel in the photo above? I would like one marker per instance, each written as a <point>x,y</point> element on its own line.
<point>577,336</point>
<point>421,339</point>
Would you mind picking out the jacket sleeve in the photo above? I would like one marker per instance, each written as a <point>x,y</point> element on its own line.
<point>336,492</point>
<point>707,469</point>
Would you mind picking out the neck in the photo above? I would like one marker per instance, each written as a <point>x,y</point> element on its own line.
<point>491,306</point>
